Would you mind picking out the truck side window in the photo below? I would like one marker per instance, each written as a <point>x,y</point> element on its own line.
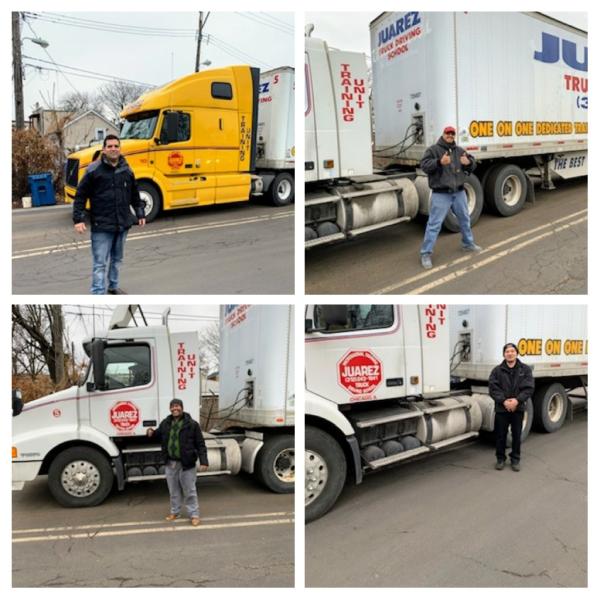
<point>359,317</point>
<point>221,90</point>
<point>127,366</point>
<point>183,129</point>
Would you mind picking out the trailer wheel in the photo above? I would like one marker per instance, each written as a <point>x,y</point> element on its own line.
<point>151,196</point>
<point>276,467</point>
<point>325,467</point>
<point>527,421</point>
<point>474,193</point>
<point>505,190</point>
<point>282,190</point>
<point>550,405</point>
<point>80,477</point>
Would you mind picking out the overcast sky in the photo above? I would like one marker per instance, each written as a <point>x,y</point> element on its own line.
<point>151,48</point>
<point>353,34</point>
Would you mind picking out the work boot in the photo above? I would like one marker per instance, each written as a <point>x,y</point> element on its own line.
<point>474,248</point>
<point>195,521</point>
<point>116,291</point>
<point>499,465</point>
<point>171,517</point>
<point>426,261</point>
<point>515,466</point>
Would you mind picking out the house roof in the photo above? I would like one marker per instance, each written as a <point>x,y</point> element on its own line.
<point>87,112</point>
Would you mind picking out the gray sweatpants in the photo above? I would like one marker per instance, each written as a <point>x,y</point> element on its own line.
<point>182,489</point>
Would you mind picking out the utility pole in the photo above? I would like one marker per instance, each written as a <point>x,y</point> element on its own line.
<point>18,70</point>
<point>201,24</point>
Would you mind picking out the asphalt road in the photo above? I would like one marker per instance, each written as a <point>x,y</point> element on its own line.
<point>233,249</point>
<point>453,521</point>
<point>246,538</point>
<point>541,250</point>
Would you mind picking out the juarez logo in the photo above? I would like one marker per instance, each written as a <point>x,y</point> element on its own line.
<point>399,26</point>
<point>554,47</point>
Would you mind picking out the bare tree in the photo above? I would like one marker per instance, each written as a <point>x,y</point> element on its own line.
<point>116,95</point>
<point>210,343</point>
<point>79,102</point>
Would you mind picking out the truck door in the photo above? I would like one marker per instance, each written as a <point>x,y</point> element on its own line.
<point>360,356</point>
<point>181,163</point>
<point>129,403</point>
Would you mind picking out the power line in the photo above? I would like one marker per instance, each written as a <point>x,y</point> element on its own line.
<point>257,19</point>
<point>234,52</point>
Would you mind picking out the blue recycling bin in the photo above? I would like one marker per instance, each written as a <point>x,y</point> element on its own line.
<point>42,190</point>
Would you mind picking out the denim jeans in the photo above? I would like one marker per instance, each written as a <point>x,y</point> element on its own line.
<point>107,255</point>
<point>182,489</point>
<point>441,203</point>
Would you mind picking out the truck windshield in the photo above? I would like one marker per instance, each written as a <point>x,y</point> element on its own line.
<point>140,126</point>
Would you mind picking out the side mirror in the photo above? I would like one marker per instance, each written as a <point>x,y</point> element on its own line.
<point>98,364</point>
<point>17,402</point>
<point>308,326</point>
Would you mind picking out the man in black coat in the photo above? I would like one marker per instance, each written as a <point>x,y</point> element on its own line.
<point>447,167</point>
<point>182,446</point>
<point>110,186</point>
<point>511,384</point>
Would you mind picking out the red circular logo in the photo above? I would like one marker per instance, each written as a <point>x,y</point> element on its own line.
<point>56,412</point>
<point>124,416</point>
<point>359,372</point>
<point>175,160</point>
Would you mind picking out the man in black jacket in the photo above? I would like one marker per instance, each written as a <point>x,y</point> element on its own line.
<point>511,385</point>
<point>447,166</point>
<point>110,186</point>
<point>182,445</point>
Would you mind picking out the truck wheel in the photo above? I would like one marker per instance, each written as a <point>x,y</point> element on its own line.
<point>474,193</point>
<point>80,477</point>
<point>505,190</point>
<point>550,404</point>
<point>276,467</point>
<point>527,421</point>
<point>325,467</point>
<point>282,190</point>
<point>151,196</point>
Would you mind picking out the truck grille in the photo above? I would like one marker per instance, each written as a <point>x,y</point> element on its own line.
<point>72,172</point>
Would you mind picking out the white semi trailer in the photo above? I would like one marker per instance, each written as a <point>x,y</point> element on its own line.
<point>389,383</point>
<point>90,436</point>
<point>514,85</point>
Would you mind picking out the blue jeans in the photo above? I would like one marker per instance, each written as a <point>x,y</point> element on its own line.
<point>441,203</point>
<point>107,255</point>
<point>182,489</point>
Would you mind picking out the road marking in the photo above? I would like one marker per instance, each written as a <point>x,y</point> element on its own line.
<point>164,529</point>
<point>96,526</point>
<point>463,259</point>
<point>44,250</point>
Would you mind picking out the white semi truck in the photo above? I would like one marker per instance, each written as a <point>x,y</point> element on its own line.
<point>390,383</point>
<point>91,436</point>
<point>514,85</point>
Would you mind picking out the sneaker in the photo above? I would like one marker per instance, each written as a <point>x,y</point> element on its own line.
<point>171,517</point>
<point>195,521</point>
<point>515,466</point>
<point>500,465</point>
<point>473,248</point>
<point>426,261</point>
<point>116,291</point>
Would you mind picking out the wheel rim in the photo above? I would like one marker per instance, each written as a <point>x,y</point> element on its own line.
<point>284,189</point>
<point>149,200</point>
<point>80,478</point>
<point>512,189</point>
<point>284,466</point>
<point>316,476</point>
<point>471,199</point>
<point>555,407</point>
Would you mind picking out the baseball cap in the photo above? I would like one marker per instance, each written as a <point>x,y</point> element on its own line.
<point>449,129</point>
<point>176,401</point>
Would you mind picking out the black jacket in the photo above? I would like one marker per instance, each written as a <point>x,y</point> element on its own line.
<point>448,178</point>
<point>111,191</point>
<point>191,441</point>
<point>516,383</point>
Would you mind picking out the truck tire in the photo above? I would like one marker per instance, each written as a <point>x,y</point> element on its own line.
<point>282,190</point>
<point>151,196</point>
<point>275,464</point>
<point>550,406</point>
<point>325,466</point>
<point>527,421</point>
<point>474,193</point>
<point>505,190</point>
<point>80,477</point>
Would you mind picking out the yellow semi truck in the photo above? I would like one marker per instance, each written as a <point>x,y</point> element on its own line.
<point>196,141</point>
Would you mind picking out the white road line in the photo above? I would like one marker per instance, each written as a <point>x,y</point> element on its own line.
<point>490,259</point>
<point>143,236</point>
<point>97,526</point>
<point>425,274</point>
<point>167,529</point>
